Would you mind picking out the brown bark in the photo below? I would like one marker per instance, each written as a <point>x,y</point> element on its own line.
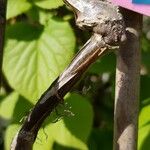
<point>108,30</point>
<point>92,50</point>
<point>127,85</point>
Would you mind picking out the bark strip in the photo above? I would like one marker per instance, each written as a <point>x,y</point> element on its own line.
<point>127,85</point>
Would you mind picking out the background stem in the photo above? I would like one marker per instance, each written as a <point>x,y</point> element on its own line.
<point>3,4</point>
<point>127,85</point>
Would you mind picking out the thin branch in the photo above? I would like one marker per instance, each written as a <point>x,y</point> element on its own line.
<point>127,85</point>
<point>93,49</point>
<point>108,30</point>
<point>3,4</point>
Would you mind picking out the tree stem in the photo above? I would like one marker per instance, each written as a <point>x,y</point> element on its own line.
<point>128,84</point>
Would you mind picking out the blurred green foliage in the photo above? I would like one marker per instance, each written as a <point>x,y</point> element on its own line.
<point>41,39</point>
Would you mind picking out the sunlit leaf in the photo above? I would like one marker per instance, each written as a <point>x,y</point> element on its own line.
<point>13,108</point>
<point>144,129</point>
<point>44,140</point>
<point>17,7</point>
<point>74,131</point>
<point>9,134</point>
<point>7,105</point>
<point>34,56</point>
<point>48,4</point>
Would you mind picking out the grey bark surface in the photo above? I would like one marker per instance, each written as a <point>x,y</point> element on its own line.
<point>127,85</point>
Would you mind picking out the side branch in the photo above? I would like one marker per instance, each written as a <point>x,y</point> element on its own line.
<point>93,49</point>
<point>3,4</point>
<point>127,85</point>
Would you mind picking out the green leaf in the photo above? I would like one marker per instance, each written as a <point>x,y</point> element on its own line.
<point>17,7</point>
<point>145,44</point>
<point>14,107</point>
<point>34,56</point>
<point>105,64</point>
<point>71,131</point>
<point>101,139</point>
<point>74,131</point>
<point>144,87</point>
<point>9,134</point>
<point>144,129</point>
<point>49,4</point>
<point>7,105</point>
<point>145,62</point>
<point>44,140</point>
